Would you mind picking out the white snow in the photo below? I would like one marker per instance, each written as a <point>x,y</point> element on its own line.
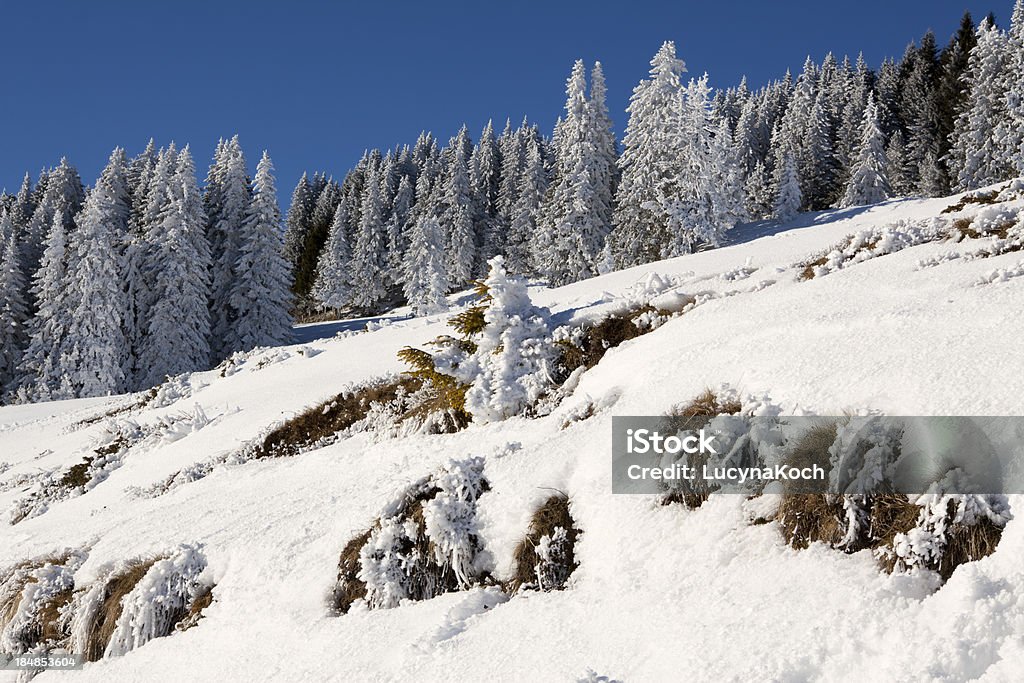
<point>661,593</point>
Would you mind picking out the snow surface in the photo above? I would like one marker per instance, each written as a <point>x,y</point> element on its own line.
<point>661,593</point>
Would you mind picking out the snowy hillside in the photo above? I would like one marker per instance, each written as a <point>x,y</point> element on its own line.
<point>902,319</point>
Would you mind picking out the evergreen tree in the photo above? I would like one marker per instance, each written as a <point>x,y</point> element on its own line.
<point>96,352</point>
<point>759,200</point>
<point>13,310</point>
<point>333,286</point>
<point>512,144</point>
<point>920,104</point>
<point>456,212</point>
<point>300,216</point>
<point>369,261</point>
<point>953,89</point>
<point>978,156</point>
<point>41,377</point>
<point>788,200</point>
<point>426,279</point>
<point>225,249</point>
<point>525,249</point>
<point>605,148</point>
<point>1011,130</point>
<point>869,183</point>
<point>22,208</point>
<point>62,196</point>
<point>260,292</point>
<point>398,228</point>
<point>178,332</point>
<point>485,179</point>
<point>648,157</point>
<point>900,176</point>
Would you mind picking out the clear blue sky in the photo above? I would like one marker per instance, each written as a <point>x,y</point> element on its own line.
<point>317,82</point>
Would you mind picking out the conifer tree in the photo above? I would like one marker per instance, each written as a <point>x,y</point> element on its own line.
<point>300,215</point>
<point>788,200</point>
<point>62,195</point>
<point>1011,130</point>
<point>425,277</point>
<point>978,156</point>
<point>647,158</point>
<point>485,179</point>
<point>13,310</point>
<point>178,332</point>
<point>398,229</point>
<point>260,292</point>
<point>225,249</point>
<point>525,248</point>
<point>456,215</point>
<point>333,286</point>
<point>869,182</point>
<point>369,262</point>
<point>96,353</point>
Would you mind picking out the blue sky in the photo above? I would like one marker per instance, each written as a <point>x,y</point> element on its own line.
<point>315,83</point>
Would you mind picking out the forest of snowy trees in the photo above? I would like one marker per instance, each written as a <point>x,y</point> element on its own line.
<point>141,277</point>
<point>146,275</point>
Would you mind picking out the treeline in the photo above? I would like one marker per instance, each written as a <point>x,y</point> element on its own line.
<point>140,277</point>
<point>691,166</point>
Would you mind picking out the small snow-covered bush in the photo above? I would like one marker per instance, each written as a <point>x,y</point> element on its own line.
<point>423,544</point>
<point>33,602</point>
<point>136,602</point>
<point>545,558</point>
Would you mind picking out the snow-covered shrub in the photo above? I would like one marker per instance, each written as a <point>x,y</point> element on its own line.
<point>137,601</point>
<point>423,544</point>
<point>173,389</point>
<point>511,366</point>
<point>34,596</point>
<point>545,558</point>
<point>873,242</point>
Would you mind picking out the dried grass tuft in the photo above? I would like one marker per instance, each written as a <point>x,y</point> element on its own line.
<point>551,572</point>
<point>105,620</point>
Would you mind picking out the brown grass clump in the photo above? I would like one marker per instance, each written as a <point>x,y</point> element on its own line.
<point>890,514</point>
<point>807,273</point>
<point>78,475</point>
<point>105,620</point>
<point>330,417</point>
<point>966,544</point>
<point>546,568</point>
<point>982,198</point>
<point>202,600</point>
<point>803,516</point>
<point>597,339</point>
<point>812,449</point>
<point>350,588</point>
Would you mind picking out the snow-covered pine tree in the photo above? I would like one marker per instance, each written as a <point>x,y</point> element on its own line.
<point>978,155</point>
<point>576,211</point>
<point>96,351</point>
<point>759,200</point>
<point>300,214</point>
<point>62,195</point>
<point>225,250</point>
<point>900,178</point>
<point>525,248</point>
<point>848,138</point>
<point>13,309</point>
<point>41,376</point>
<point>485,179</point>
<point>333,286</point>
<point>788,200</point>
<point>456,206</point>
<point>511,366</point>
<point>824,183</point>
<point>795,132</point>
<point>605,148</point>
<point>22,208</point>
<point>369,260</point>
<point>921,113</point>
<point>649,155</point>
<point>512,144</point>
<point>178,332</point>
<point>952,93</point>
<point>140,172</point>
<point>398,229</point>
<point>1011,132</point>
<point>426,277</point>
<point>260,292</point>
<point>869,182</point>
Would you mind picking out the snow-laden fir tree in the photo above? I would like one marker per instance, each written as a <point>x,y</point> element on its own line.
<point>512,144</point>
<point>63,196</point>
<point>178,332</point>
<point>140,172</point>
<point>369,261</point>
<point>96,352</point>
<point>576,213</point>
<point>41,376</point>
<point>398,228</point>
<point>22,208</point>
<point>1011,132</point>
<point>860,85</point>
<point>511,366</point>
<point>978,157</point>
<point>300,214</point>
<point>260,292</point>
<point>788,200</point>
<point>485,179</point>
<point>605,148</point>
<point>920,109</point>
<point>795,134</point>
<point>758,190</point>
<point>425,276</point>
<point>869,182</point>
<point>333,286</point>
<point>899,176</point>
<point>225,249</point>
<point>13,309</point>
<point>456,215</point>
<point>649,155</point>
<point>525,251</point>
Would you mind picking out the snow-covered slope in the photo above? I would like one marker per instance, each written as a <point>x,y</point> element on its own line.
<point>661,593</point>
